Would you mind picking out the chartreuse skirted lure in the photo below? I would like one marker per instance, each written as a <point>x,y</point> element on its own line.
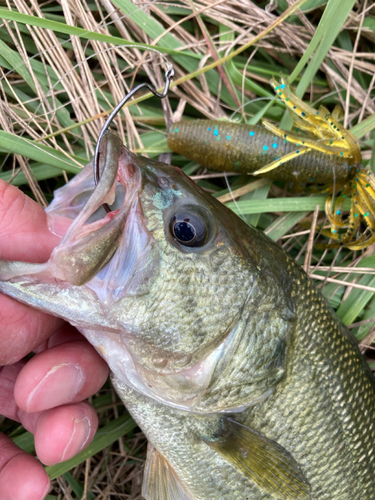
<point>319,151</point>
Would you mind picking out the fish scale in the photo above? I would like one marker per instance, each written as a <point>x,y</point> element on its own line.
<point>227,297</point>
<point>189,457</point>
<point>322,351</point>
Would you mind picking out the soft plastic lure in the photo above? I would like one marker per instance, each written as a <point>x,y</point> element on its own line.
<point>323,153</point>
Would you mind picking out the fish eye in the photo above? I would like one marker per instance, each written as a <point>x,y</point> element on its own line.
<point>188,228</point>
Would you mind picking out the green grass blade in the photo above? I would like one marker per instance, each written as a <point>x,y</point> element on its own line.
<point>30,149</point>
<point>77,487</point>
<point>332,21</point>
<point>281,205</point>
<point>363,128</point>
<point>11,15</point>
<point>369,312</point>
<point>283,224</point>
<point>334,17</point>
<point>40,172</point>
<point>309,5</point>
<point>259,194</point>
<point>358,299</point>
<point>25,441</point>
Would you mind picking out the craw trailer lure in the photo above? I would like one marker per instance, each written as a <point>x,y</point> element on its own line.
<point>321,153</point>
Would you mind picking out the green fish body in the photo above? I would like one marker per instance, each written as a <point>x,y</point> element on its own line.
<point>244,381</point>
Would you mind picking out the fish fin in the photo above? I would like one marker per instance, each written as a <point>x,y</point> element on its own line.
<point>263,461</point>
<point>160,482</point>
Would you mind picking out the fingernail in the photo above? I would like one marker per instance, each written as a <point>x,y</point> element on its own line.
<point>45,493</point>
<point>78,439</point>
<point>59,386</point>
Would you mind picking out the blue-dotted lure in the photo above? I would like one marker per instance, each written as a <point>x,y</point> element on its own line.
<point>319,151</point>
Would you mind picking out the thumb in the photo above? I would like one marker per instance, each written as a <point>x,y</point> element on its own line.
<point>24,233</point>
<point>24,236</point>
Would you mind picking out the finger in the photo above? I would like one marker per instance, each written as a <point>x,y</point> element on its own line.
<point>24,235</point>
<point>65,334</point>
<point>67,373</point>
<point>8,377</point>
<point>21,476</point>
<point>22,329</point>
<point>61,433</point>
<point>24,232</point>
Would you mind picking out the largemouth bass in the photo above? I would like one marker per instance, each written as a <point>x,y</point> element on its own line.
<point>244,381</point>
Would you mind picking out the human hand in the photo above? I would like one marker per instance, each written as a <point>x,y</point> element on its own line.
<point>46,393</point>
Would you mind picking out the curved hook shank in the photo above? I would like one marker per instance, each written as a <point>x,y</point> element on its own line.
<point>169,74</point>
<point>111,150</point>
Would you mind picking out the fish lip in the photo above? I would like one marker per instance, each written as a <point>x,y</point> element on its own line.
<point>129,175</point>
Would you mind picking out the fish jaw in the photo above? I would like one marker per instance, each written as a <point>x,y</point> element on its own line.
<point>88,243</point>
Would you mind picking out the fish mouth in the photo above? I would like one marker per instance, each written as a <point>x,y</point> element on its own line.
<point>90,242</point>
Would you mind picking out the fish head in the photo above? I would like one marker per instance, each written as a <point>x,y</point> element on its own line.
<point>171,274</point>
<point>179,278</point>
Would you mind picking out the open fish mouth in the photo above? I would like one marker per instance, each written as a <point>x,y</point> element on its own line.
<point>90,241</point>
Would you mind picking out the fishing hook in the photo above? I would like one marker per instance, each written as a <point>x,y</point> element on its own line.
<point>169,74</point>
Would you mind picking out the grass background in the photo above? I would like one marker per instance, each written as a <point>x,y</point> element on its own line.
<point>66,64</point>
